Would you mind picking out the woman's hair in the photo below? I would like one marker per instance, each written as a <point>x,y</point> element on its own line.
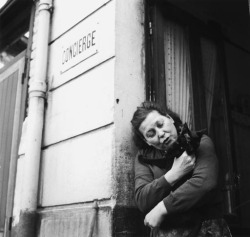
<point>140,115</point>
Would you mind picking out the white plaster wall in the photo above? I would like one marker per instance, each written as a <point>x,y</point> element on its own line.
<point>81,102</point>
<point>129,90</point>
<point>66,14</point>
<point>103,21</point>
<point>78,145</point>
<point>81,105</point>
<point>87,136</point>
<point>78,170</point>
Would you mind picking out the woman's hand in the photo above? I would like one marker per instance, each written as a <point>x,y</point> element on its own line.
<point>155,217</point>
<point>181,166</point>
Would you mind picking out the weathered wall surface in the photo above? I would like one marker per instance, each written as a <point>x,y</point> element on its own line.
<point>95,81</point>
<point>129,93</point>
<point>75,221</point>
<point>78,149</point>
<point>129,90</point>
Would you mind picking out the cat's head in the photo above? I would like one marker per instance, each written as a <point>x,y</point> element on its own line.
<point>187,140</point>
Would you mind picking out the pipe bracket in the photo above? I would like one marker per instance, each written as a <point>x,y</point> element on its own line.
<point>38,86</point>
<point>37,94</point>
<point>46,5</point>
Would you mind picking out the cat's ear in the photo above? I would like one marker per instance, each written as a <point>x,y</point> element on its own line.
<point>185,126</point>
<point>185,129</point>
<point>201,132</point>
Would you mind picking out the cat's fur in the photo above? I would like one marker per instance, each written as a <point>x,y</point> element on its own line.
<point>187,140</point>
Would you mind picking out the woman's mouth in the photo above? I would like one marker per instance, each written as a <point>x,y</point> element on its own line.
<point>168,141</point>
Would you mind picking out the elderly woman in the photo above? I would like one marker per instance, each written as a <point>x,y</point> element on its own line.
<point>179,196</point>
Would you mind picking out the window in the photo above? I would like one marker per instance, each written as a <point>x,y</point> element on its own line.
<point>185,72</point>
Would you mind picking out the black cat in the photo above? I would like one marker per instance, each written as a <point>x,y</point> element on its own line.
<point>187,140</point>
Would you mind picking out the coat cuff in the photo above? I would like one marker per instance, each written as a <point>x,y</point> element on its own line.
<point>168,202</point>
<point>162,182</point>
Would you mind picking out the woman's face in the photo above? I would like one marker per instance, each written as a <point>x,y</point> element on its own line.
<point>158,130</point>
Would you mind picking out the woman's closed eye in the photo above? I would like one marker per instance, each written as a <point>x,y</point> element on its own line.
<point>150,133</point>
<point>160,124</point>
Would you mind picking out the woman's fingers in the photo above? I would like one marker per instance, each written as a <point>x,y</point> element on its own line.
<point>190,161</point>
<point>190,158</point>
<point>183,165</point>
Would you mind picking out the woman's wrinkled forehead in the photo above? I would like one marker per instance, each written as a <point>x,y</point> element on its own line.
<point>150,121</point>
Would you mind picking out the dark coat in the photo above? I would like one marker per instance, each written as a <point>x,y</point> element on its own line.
<point>195,198</point>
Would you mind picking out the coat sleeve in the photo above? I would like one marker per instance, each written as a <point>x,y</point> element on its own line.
<point>148,191</point>
<point>203,182</point>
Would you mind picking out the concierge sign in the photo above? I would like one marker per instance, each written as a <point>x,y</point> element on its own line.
<point>78,45</point>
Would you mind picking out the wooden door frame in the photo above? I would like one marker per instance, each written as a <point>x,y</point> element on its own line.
<point>156,12</point>
<point>17,64</point>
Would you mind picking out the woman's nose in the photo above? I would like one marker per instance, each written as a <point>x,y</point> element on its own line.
<point>160,133</point>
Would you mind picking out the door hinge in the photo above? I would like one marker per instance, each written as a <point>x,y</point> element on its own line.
<point>24,74</point>
<point>150,28</point>
<point>10,222</point>
<point>23,77</point>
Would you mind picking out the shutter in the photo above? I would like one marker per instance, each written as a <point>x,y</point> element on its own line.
<point>11,101</point>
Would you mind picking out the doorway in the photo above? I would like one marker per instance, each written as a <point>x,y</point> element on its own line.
<point>213,45</point>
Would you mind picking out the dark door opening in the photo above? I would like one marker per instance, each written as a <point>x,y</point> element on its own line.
<point>215,48</point>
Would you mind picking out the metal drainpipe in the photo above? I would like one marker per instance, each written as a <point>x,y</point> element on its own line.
<point>37,93</point>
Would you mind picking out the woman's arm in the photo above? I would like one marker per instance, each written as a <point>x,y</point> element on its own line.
<point>194,192</point>
<point>150,191</point>
<point>203,181</point>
